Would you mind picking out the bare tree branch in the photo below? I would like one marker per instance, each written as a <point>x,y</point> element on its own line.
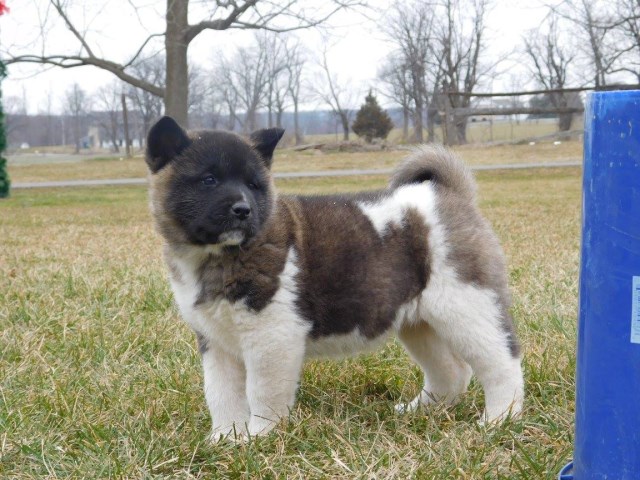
<point>69,61</point>
<point>224,14</point>
<point>139,52</point>
<point>58,6</point>
<point>221,23</point>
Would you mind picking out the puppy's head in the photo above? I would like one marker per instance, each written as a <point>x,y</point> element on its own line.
<point>210,187</point>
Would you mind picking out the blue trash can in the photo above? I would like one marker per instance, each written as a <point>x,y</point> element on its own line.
<point>607,437</point>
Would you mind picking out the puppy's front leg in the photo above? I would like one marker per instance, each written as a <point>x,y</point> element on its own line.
<point>274,363</point>
<point>225,392</point>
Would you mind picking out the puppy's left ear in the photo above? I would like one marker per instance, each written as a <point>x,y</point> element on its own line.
<point>265,141</point>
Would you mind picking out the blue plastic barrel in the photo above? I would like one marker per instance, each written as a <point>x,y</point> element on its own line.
<point>607,437</point>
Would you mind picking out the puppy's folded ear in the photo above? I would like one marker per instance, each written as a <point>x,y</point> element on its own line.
<point>165,140</point>
<point>265,141</point>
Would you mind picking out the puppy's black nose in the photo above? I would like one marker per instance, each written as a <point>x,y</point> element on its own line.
<point>241,210</point>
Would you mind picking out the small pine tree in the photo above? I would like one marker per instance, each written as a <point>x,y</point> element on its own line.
<point>371,121</point>
<point>5,183</point>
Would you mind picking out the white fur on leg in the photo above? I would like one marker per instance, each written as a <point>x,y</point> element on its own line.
<point>224,390</point>
<point>504,390</point>
<point>271,386</point>
<point>446,376</point>
<point>273,358</point>
<point>273,347</point>
<point>468,319</point>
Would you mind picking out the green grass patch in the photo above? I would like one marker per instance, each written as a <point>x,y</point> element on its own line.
<point>101,379</point>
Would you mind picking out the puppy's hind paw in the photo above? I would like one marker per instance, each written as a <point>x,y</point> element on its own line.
<point>402,408</point>
<point>412,406</point>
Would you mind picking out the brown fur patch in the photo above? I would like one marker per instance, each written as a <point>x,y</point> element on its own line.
<point>351,277</point>
<point>159,188</point>
<point>210,275</point>
<point>253,271</point>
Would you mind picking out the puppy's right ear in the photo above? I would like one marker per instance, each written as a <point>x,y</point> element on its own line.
<point>165,140</point>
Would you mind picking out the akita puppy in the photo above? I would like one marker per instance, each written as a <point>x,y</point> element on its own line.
<point>266,281</point>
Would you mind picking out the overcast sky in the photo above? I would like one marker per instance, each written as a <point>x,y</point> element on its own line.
<point>115,31</point>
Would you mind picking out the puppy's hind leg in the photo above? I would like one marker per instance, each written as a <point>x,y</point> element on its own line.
<point>473,322</point>
<point>446,376</point>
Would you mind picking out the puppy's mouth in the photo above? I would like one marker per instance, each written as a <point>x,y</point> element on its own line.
<point>224,234</point>
<point>232,238</point>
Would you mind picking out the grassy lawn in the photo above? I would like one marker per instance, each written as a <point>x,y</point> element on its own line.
<point>100,378</point>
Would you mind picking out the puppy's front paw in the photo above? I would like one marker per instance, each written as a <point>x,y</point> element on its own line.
<point>259,426</point>
<point>232,434</point>
<point>514,412</point>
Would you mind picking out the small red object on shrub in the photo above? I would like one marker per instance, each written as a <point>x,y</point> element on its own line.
<point>3,7</point>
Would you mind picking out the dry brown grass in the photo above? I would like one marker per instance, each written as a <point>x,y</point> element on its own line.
<point>100,378</point>
<point>290,161</point>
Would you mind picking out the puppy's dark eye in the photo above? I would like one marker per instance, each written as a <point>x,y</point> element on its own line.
<point>254,185</point>
<point>209,180</point>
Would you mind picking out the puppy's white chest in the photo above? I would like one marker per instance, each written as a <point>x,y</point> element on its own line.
<point>215,318</point>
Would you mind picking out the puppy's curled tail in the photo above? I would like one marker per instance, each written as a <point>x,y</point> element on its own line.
<point>437,164</point>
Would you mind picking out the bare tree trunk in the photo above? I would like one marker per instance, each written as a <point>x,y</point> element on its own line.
<point>417,122</point>
<point>113,131</point>
<point>332,96</point>
<point>431,123</point>
<point>564,122</point>
<point>344,120</point>
<point>176,99</point>
<point>76,134</point>
<point>461,130</point>
<point>405,123</point>
<point>125,124</point>
<point>270,106</point>
<point>249,122</point>
<point>296,123</point>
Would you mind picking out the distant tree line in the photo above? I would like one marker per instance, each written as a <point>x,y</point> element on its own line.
<point>440,56</point>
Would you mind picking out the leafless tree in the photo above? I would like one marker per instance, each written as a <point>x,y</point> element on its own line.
<point>46,110</point>
<point>626,23</point>
<point>396,83</point>
<point>594,26</point>
<point>411,28</point>
<point>224,90</point>
<point>550,59</point>
<point>296,60</point>
<point>108,101</point>
<point>76,106</point>
<point>274,46</point>
<point>178,35</point>
<point>148,105</point>
<point>200,91</point>
<point>246,74</point>
<point>336,94</point>
<point>460,45</point>
<point>15,111</point>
